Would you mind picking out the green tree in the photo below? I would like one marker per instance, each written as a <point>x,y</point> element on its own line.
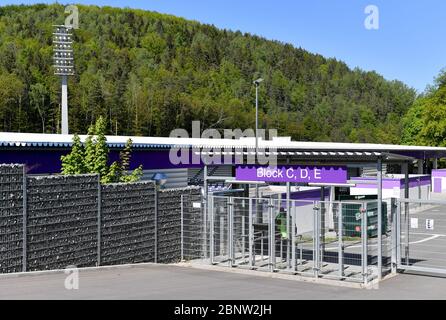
<point>425,123</point>
<point>124,165</point>
<point>93,158</point>
<point>38,95</point>
<point>73,163</point>
<point>90,150</point>
<point>11,89</point>
<point>112,174</point>
<point>101,149</point>
<point>134,176</point>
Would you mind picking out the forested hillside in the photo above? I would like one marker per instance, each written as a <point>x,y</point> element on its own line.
<point>149,73</point>
<point>425,121</point>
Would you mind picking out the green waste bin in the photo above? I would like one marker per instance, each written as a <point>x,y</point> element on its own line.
<point>281,224</point>
<point>351,218</point>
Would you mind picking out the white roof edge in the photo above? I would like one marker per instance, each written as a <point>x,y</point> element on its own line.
<point>24,138</point>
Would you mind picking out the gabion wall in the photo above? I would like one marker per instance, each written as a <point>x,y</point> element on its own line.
<point>11,218</point>
<point>128,223</point>
<point>66,226</point>
<point>194,236</point>
<point>62,221</point>
<point>169,222</point>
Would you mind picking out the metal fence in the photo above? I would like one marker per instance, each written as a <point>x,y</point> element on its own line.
<point>421,240</point>
<point>337,240</point>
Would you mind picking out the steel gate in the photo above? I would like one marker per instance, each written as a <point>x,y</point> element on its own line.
<point>421,240</point>
<point>317,238</point>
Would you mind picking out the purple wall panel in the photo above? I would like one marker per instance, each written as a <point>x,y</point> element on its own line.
<point>389,183</point>
<point>439,173</point>
<point>304,196</point>
<point>48,161</point>
<point>437,185</point>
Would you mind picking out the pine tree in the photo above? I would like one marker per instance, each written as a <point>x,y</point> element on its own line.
<point>101,149</point>
<point>125,155</point>
<point>124,159</point>
<point>90,151</point>
<point>73,163</point>
<point>112,174</point>
<point>124,165</point>
<point>136,175</point>
<point>94,157</point>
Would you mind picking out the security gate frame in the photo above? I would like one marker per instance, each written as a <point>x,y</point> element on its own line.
<point>407,256</point>
<point>254,234</point>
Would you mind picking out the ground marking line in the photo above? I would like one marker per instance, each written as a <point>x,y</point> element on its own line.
<point>427,239</point>
<point>432,237</point>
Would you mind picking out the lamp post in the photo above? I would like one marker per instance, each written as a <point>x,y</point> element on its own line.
<point>257,84</point>
<point>63,66</point>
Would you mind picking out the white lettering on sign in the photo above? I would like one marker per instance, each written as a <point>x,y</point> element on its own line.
<point>317,174</point>
<point>260,173</point>
<point>270,173</point>
<point>414,223</point>
<point>290,173</point>
<point>196,205</point>
<point>429,224</point>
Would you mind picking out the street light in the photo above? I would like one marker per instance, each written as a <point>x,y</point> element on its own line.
<point>257,84</point>
<point>63,65</point>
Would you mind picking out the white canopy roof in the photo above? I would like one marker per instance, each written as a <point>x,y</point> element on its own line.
<point>279,143</point>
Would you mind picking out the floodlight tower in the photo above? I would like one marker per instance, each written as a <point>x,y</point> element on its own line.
<point>63,65</point>
<point>257,84</point>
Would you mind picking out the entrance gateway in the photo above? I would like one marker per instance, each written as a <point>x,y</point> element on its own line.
<point>355,239</point>
<point>311,237</point>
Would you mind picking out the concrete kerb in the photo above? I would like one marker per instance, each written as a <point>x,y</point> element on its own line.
<point>55,271</point>
<point>275,275</point>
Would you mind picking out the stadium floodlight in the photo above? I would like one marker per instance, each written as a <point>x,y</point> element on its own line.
<point>257,84</point>
<point>63,65</point>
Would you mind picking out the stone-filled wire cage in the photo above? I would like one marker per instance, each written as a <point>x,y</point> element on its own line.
<point>11,217</point>
<point>62,221</point>
<point>128,223</point>
<point>50,222</point>
<point>171,203</point>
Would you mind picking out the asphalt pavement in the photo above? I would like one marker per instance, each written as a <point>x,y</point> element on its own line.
<point>176,282</point>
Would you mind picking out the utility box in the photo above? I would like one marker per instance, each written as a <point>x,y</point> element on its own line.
<point>351,218</point>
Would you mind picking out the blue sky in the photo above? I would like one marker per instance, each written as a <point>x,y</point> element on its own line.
<point>409,45</point>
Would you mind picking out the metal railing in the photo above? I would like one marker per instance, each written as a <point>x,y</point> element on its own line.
<point>321,239</point>
<point>421,236</point>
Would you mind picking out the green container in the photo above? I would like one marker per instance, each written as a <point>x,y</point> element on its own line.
<point>281,224</point>
<point>351,218</point>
